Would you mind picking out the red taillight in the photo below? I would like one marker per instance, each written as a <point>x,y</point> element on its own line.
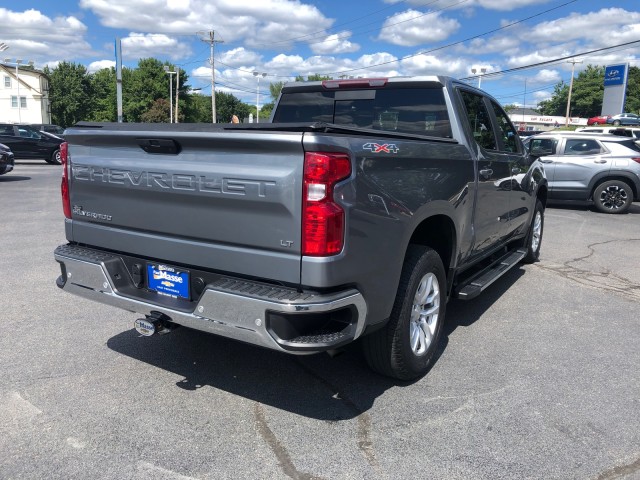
<point>64,186</point>
<point>322,218</point>
<point>636,159</point>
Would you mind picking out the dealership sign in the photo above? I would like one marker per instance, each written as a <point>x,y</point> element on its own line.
<point>614,75</point>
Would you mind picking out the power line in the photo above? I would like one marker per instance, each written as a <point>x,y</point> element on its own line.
<point>454,43</point>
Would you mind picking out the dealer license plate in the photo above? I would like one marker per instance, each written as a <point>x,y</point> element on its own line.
<point>168,280</point>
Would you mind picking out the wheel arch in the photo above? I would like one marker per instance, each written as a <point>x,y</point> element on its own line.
<point>439,233</point>
<point>611,175</point>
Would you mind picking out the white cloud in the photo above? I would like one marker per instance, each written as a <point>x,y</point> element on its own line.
<point>258,23</point>
<point>436,65</point>
<point>239,56</point>
<point>504,5</point>
<point>99,65</point>
<point>34,36</point>
<point>140,45</point>
<point>411,28</point>
<point>335,44</point>
<point>610,25</point>
<point>546,76</point>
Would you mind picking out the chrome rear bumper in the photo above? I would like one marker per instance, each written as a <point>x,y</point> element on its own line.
<point>232,308</point>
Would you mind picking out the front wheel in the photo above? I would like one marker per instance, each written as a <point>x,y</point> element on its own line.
<point>613,196</point>
<point>534,237</point>
<point>595,123</point>
<point>405,347</point>
<point>54,159</point>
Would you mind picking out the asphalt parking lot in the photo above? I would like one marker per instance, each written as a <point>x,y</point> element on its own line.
<point>538,378</point>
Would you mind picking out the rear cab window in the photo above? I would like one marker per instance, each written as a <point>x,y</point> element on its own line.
<point>412,110</point>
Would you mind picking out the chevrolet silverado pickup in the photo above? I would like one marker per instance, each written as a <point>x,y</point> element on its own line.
<point>357,212</point>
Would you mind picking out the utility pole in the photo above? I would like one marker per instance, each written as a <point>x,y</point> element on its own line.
<point>177,91</point>
<point>573,66</point>
<point>211,40</point>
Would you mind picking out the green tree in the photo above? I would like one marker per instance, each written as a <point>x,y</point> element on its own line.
<point>274,89</point>
<point>588,92</point>
<point>313,78</point>
<point>197,108</point>
<point>557,104</point>
<point>228,105</point>
<point>158,113</point>
<point>103,96</point>
<point>69,92</point>
<point>143,86</point>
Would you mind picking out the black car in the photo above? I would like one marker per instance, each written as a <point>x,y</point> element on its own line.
<point>27,142</point>
<point>6,159</point>
<point>48,128</point>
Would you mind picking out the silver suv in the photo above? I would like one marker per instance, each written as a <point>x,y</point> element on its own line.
<point>604,169</point>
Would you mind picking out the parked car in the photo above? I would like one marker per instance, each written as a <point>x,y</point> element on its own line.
<point>624,119</point>
<point>26,142</point>
<point>6,159</point>
<point>599,120</point>
<point>601,168</point>
<point>49,128</point>
<point>620,131</point>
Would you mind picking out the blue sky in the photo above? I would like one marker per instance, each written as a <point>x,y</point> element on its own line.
<point>285,38</point>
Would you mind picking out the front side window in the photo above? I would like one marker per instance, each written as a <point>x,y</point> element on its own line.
<point>7,82</point>
<point>541,147</point>
<point>479,120</point>
<point>505,129</point>
<point>579,146</point>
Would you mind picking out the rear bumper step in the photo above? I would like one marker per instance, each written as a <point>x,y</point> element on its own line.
<point>274,317</point>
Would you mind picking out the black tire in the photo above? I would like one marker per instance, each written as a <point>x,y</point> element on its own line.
<point>595,123</point>
<point>534,237</point>
<point>613,196</point>
<point>616,123</point>
<point>389,351</point>
<point>54,159</point>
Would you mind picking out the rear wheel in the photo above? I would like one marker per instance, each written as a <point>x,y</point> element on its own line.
<point>534,237</point>
<point>613,196</point>
<point>405,347</point>
<point>595,123</point>
<point>54,159</point>
<point>616,123</point>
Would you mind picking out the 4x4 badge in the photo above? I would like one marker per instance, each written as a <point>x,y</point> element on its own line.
<point>384,148</point>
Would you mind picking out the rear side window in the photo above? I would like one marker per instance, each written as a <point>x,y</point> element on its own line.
<point>420,111</point>
<point>630,144</point>
<point>6,130</point>
<point>582,147</point>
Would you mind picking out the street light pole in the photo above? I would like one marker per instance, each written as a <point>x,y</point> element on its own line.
<point>482,72</point>
<point>573,66</point>
<point>258,75</point>
<point>166,69</point>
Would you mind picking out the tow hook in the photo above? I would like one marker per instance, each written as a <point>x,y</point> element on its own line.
<point>154,323</point>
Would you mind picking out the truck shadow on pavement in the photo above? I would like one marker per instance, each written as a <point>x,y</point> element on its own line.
<point>13,178</point>
<point>315,386</point>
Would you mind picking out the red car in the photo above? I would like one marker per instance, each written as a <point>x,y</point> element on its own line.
<point>600,120</point>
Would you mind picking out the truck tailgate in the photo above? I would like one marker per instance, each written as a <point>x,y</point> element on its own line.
<point>228,201</point>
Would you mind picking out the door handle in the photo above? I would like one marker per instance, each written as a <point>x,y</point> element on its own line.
<point>546,161</point>
<point>487,172</point>
<point>600,161</point>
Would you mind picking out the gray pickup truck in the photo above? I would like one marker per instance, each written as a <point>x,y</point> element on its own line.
<point>357,212</point>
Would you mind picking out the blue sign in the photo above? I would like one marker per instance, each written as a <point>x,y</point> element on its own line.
<point>614,75</point>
